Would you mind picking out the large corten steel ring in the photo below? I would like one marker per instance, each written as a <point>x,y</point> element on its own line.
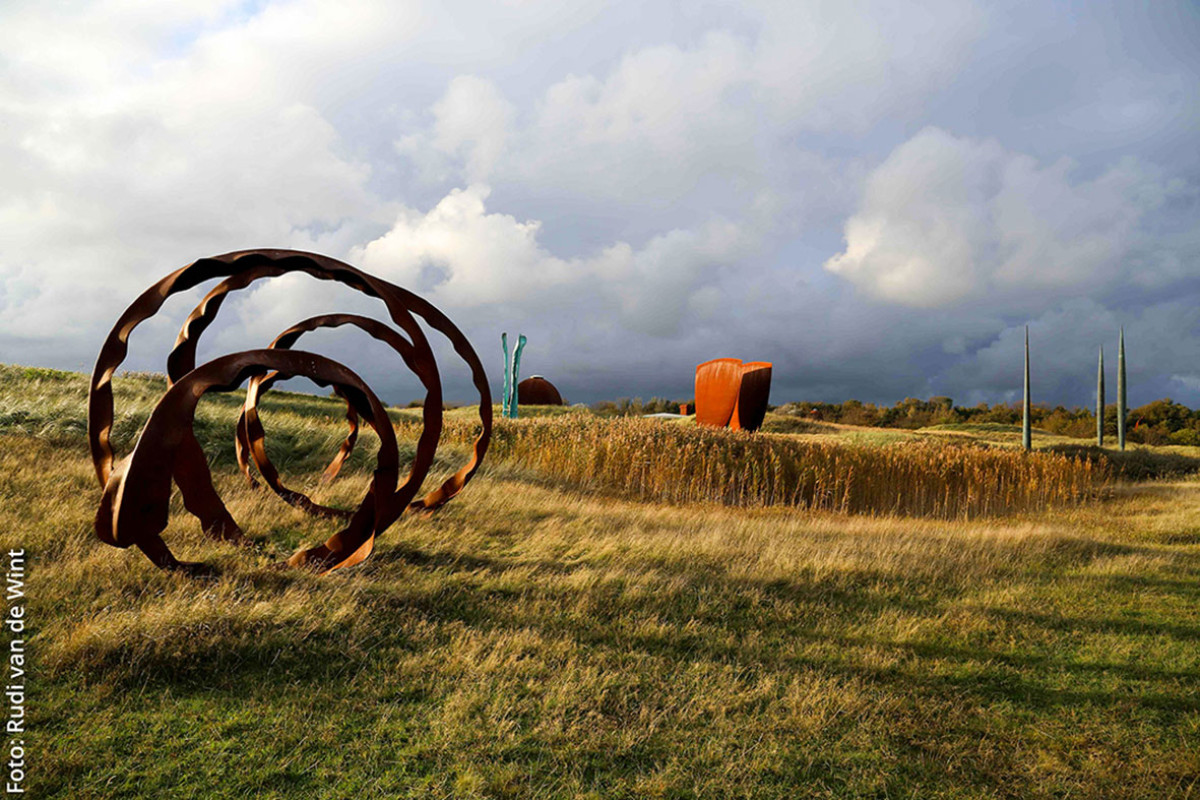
<point>167,447</point>
<point>251,438</point>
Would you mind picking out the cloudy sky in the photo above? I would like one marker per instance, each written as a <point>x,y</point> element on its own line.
<point>877,197</point>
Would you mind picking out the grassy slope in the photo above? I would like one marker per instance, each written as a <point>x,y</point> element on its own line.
<point>531,642</point>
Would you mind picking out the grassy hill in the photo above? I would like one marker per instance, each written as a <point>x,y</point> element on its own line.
<point>569,629</point>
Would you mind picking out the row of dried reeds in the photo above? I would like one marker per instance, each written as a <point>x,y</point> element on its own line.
<point>682,464</point>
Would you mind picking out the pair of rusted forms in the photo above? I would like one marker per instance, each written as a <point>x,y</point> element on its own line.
<point>137,489</point>
<point>732,394</point>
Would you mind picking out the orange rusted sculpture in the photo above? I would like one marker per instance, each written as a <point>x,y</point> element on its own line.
<point>732,394</point>
<point>537,391</point>
<point>134,506</point>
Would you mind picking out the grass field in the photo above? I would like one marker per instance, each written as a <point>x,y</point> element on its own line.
<point>561,634</point>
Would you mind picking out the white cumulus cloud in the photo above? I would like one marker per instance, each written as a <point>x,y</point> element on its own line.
<point>946,219</point>
<point>462,256</point>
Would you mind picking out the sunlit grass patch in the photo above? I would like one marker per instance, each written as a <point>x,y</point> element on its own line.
<point>562,630</point>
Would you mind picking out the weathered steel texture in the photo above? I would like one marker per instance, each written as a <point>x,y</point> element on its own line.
<point>753,393</point>
<point>251,436</point>
<point>183,356</point>
<point>178,455</point>
<point>134,506</point>
<point>537,391</point>
<point>242,438</point>
<point>732,394</point>
<point>717,383</point>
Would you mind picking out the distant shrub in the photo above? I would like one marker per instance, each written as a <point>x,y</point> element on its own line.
<point>1188,436</point>
<point>775,423</point>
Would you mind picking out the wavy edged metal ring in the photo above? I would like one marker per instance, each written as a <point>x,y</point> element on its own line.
<point>251,438</point>
<point>133,509</point>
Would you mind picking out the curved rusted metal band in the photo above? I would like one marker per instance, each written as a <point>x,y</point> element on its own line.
<point>346,448</point>
<point>183,356</point>
<point>242,268</point>
<point>189,466</point>
<point>134,508</point>
<point>251,442</point>
<point>242,447</point>
<point>455,483</point>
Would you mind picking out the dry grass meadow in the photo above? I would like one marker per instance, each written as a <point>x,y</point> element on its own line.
<point>818,612</point>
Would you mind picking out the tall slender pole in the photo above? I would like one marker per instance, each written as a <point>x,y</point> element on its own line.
<point>1122,409</point>
<point>1100,400</point>
<point>1026,429</point>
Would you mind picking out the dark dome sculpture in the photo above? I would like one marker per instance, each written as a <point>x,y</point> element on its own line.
<point>537,391</point>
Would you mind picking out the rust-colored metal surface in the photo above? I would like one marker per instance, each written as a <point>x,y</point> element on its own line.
<point>537,391</point>
<point>251,438</point>
<point>137,490</point>
<point>134,505</point>
<point>732,394</point>
<point>717,384</point>
<point>753,393</point>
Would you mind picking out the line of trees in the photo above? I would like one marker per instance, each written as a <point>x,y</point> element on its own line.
<point>1157,423</point>
<point>1160,422</point>
<point>636,407</point>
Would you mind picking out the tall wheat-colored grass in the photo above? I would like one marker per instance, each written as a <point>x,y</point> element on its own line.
<point>643,459</point>
<point>659,461</point>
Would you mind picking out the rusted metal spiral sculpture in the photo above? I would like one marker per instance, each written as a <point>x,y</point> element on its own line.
<point>137,489</point>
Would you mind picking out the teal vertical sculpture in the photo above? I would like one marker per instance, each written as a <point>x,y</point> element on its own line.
<point>516,374</point>
<point>1122,411</point>
<point>1100,400</point>
<point>1026,428</point>
<point>507,376</point>
<point>512,370</point>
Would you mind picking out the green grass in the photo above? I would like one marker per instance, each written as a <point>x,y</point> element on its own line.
<point>978,427</point>
<point>535,640</point>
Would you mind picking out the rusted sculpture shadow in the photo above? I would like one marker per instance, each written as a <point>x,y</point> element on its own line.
<point>732,394</point>
<point>134,505</point>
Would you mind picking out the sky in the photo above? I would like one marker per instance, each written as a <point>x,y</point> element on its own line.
<point>877,197</point>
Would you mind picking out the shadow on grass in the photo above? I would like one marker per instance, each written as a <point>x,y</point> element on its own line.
<point>1187,589</point>
<point>1109,625</point>
<point>1133,465</point>
<point>701,615</point>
